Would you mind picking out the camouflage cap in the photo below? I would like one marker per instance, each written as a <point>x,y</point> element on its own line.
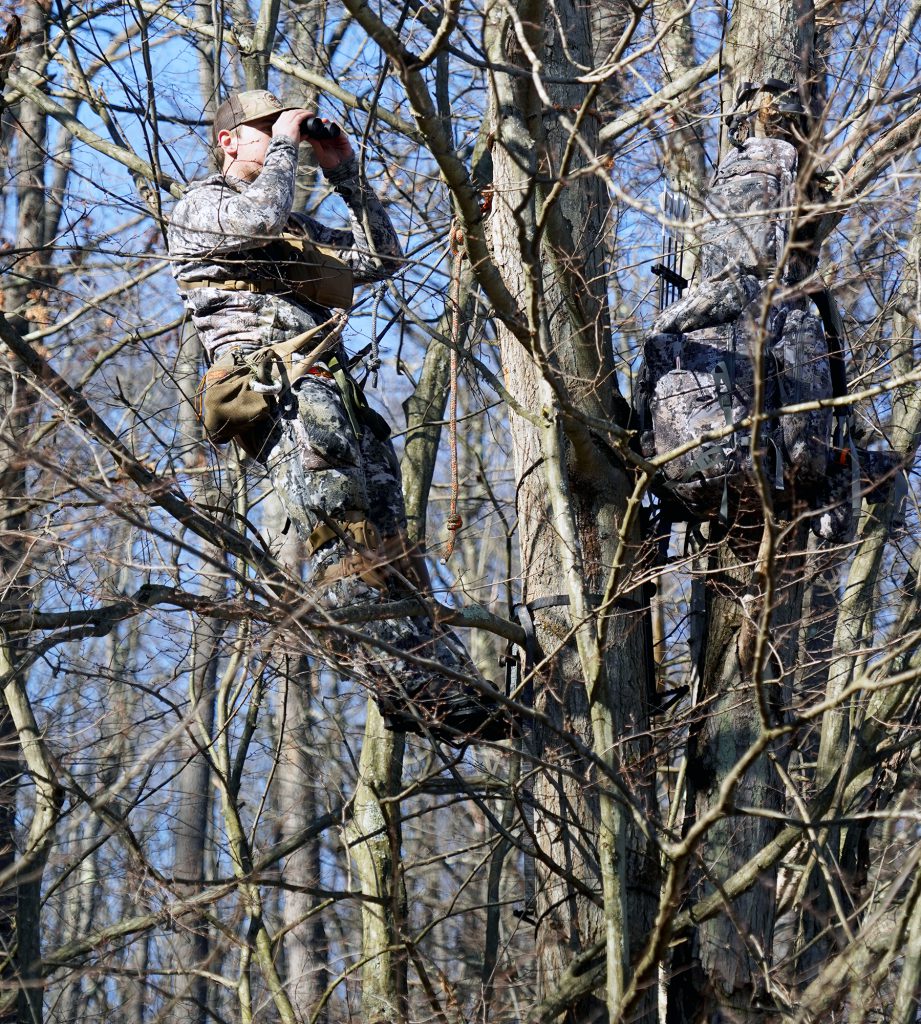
<point>243,107</point>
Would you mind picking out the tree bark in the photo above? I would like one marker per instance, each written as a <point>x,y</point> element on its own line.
<point>572,507</point>
<point>754,594</point>
<point>22,299</point>
<point>306,943</point>
<point>194,783</point>
<point>374,837</point>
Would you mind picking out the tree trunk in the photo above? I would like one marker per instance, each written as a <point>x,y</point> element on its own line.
<point>755,594</point>
<point>306,944</point>
<point>194,783</point>
<point>572,500</point>
<point>374,837</point>
<point>22,301</point>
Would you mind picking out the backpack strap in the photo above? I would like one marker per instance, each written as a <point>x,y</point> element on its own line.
<point>843,437</point>
<point>834,339</point>
<point>724,378</point>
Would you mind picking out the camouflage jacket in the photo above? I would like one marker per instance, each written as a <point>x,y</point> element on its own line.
<point>220,219</point>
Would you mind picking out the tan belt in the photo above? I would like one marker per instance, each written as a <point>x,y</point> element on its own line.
<point>262,286</point>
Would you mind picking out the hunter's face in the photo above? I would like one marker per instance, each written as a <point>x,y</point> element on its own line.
<point>244,147</point>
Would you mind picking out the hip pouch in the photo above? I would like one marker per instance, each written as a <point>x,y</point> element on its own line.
<point>237,398</point>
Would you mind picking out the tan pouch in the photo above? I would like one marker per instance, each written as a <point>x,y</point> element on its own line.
<point>237,397</point>
<point>314,274</point>
<point>229,408</point>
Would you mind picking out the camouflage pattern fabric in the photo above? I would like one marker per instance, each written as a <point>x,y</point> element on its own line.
<point>700,361</point>
<point>319,467</point>
<point>320,470</point>
<point>411,695</point>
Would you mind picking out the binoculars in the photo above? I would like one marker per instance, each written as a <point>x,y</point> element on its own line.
<point>316,128</point>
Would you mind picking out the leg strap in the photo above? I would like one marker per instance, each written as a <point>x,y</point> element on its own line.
<point>352,526</point>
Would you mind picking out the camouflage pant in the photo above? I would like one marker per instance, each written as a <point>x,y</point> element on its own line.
<point>321,469</point>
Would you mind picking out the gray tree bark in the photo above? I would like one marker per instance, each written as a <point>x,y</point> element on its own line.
<point>374,837</point>
<point>305,943</point>
<point>20,924</point>
<point>756,594</point>
<point>572,509</point>
<point>194,784</point>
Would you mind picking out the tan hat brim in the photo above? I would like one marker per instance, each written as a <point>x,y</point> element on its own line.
<point>273,113</point>
<point>247,108</point>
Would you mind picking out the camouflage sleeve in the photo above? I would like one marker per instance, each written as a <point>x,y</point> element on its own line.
<point>219,218</point>
<point>371,248</point>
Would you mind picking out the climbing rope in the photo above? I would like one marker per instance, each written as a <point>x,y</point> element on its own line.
<point>374,363</point>
<point>454,521</point>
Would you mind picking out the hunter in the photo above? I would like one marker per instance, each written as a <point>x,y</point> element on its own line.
<point>253,273</point>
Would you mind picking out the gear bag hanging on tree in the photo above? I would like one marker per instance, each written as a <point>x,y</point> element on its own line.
<point>697,383</point>
<point>701,363</point>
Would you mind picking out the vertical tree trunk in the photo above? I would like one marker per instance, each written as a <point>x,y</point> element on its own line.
<point>734,948</point>
<point>135,1001</point>
<point>853,629</point>
<point>189,943</point>
<point>756,593</point>
<point>306,948</point>
<point>306,944</point>
<point>194,784</point>
<point>22,300</point>
<point>572,501</point>
<point>374,836</point>
<point>424,410</point>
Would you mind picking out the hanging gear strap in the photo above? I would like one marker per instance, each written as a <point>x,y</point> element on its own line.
<point>374,363</point>
<point>352,398</point>
<point>724,375</point>
<point>834,340</point>
<point>844,448</point>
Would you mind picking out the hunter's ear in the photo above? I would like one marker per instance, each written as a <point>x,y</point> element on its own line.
<point>228,142</point>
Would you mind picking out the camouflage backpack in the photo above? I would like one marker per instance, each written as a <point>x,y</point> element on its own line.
<point>708,350</point>
<point>711,347</point>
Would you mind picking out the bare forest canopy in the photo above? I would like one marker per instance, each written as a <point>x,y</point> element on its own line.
<point>713,814</point>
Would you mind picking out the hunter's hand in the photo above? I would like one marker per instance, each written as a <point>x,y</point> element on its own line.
<point>330,152</point>
<point>288,124</point>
